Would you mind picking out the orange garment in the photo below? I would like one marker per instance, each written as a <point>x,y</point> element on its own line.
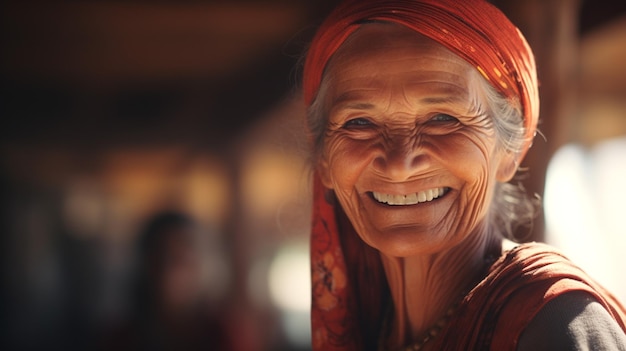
<point>329,310</point>
<point>518,285</point>
<point>337,310</point>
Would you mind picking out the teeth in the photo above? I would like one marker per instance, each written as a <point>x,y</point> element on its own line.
<point>421,196</point>
<point>411,199</point>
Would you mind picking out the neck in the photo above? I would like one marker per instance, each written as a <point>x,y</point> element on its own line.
<point>424,287</point>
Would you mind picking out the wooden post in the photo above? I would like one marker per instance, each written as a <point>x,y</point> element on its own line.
<point>551,28</point>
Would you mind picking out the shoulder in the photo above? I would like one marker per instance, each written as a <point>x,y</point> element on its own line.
<point>534,282</point>
<point>572,321</point>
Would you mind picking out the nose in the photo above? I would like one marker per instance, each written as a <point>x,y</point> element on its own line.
<point>402,160</point>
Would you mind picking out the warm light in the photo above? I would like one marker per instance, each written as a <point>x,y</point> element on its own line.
<point>269,179</point>
<point>584,196</point>
<point>289,278</point>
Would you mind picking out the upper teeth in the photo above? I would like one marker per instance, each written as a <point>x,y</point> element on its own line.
<point>411,199</point>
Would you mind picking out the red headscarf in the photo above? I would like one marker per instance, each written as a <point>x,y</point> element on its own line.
<point>477,32</point>
<point>473,29</point>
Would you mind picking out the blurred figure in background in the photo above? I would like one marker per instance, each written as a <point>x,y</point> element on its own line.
<point>169,309</point>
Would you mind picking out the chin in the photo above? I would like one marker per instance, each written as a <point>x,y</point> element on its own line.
<point>408,241</point>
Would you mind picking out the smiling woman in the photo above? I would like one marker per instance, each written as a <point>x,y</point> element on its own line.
<point>406,146</point>
<point>420,113</point>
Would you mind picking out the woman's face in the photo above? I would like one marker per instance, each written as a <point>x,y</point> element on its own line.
<point>409,147</point>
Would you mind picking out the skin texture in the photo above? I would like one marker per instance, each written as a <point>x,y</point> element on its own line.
<point>406,115</point>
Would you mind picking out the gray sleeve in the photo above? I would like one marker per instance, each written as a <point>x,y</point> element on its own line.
<point>573,321</point>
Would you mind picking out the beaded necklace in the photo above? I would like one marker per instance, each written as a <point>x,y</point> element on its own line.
<point>430,334</point>
<point>434,330</point>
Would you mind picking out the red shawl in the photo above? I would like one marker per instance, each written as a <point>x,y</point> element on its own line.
<point>517,286</point>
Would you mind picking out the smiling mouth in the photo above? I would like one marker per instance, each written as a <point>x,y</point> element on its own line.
<point>409,199</point>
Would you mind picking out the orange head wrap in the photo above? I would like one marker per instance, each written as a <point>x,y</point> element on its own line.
<point>477,32</point>
<point>473,29</point>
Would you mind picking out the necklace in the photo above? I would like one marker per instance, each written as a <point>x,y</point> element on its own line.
<point>434,330</point>
<point>429,335</point>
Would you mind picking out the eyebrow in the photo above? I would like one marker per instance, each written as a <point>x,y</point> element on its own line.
<point>357,101</point>
<point>359,106</point>
<point>438,100</point>
<point>350,99</point>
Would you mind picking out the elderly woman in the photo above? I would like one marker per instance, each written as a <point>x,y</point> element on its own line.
<point>420,113</point>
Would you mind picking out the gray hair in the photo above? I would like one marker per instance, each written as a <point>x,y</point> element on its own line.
<point>511,208</point>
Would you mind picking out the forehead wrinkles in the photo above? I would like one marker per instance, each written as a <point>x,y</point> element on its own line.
<point>392,43</point>
<point>428,86</point>
<point>414,70</point>
<point>439,81</point>
<point>405,100</point>
<point>351,86</point>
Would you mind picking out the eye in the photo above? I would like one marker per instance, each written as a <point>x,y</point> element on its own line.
<point>442,117</point>
<point>359,122</point>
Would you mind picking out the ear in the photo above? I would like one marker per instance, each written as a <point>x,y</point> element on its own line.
<point>507,166</point>
<point>323,171</point>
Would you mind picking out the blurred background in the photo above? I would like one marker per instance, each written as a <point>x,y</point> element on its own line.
<point>153,166</point>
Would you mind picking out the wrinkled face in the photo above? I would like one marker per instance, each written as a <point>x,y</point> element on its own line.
<point>409,149</point>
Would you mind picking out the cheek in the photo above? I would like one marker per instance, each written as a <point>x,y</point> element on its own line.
<point>468,154</point>
<point>345,161</point>
<point>469,157</point>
